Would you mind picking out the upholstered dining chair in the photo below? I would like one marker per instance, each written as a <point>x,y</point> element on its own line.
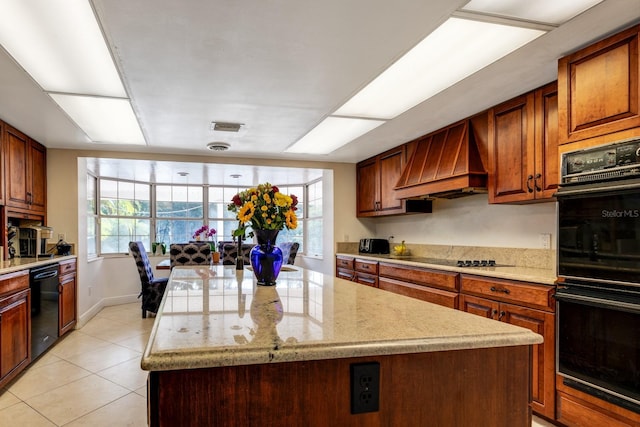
<point>289,251</point>
<point>229,250</point>
<point>194,253</point>
<point>152,288</point>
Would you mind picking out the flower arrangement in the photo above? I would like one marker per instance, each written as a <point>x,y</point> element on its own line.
<point>264,208</point>
<point>207,233</point>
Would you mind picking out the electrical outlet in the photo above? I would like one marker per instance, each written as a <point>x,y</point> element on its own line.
<point>365,387</point>
<point>61,236</point>
<point>545,240</point>
<point>89,290</point>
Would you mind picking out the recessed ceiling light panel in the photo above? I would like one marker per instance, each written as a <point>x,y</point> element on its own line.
<point>225,126</point>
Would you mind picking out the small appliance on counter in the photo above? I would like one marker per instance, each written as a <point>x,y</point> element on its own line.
<point>374,246</point>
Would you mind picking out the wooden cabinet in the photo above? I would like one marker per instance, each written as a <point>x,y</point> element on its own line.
<point>15,325</point>
<point>438,287</point>
<point>522,304</point>
<point>523,148</point>
<point>25,171</point>
<point>376,179</point>
<point>598,88</point>
<point>67,289</point>
<point>357,270</point>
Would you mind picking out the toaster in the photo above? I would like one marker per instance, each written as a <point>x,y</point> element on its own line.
<point>374,246</point>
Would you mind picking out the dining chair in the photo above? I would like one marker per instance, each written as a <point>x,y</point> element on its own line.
<point>289,251</point>
<point>152,289</point>
<point>193,253</point>
<point>229,252</point>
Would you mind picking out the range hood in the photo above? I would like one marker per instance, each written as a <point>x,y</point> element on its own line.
<point>448,163</point>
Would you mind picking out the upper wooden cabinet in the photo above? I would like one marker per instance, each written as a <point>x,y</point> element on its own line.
<point>598,88</point>
<point>523,148</point>
<point>25,171</point>
<point>376,179</point>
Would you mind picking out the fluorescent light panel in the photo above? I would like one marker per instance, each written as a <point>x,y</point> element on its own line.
<point>107,120</point>
<point>59,43</point>
<point>549,11</point>
<point>332,133</point>
<point>454,51</point>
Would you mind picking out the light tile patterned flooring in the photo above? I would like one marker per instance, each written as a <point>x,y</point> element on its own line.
<point>90,378</point>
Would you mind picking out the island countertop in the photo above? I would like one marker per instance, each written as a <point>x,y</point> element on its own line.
<point>307,316</point>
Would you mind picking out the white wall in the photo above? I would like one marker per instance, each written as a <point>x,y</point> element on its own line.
<point>472,221</point>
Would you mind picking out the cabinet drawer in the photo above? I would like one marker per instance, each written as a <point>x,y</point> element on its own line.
<point>435,296</point>
<point>66,267</point>
<point>433,278</point>
<point>367,279</point>
<point>12,282</point>
<point>344,262</point>
<point>346,274</point>
<point>365,266</point>
<point>521,293</point>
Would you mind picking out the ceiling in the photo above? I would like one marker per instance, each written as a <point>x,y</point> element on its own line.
<point>280,67</point>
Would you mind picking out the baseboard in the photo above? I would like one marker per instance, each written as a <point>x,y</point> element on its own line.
<point>105,302</point>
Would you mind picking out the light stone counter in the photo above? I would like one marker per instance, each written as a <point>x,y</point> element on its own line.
<point>17,264</point>
<point>543,276</point>
<point>307,316</point>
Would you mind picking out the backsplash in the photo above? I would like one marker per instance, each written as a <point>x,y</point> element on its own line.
<point>519,257</point>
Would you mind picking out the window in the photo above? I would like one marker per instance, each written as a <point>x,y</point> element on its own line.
<point>179,212</point>
<point>171,213</point>
<point>92,216</point>
<point>313,219</point>
<point>124,215</point>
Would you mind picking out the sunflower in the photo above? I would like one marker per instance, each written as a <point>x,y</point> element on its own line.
<point>246,212</point>
<point>291,220</point>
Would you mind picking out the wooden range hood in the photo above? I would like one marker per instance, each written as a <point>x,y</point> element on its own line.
<point>448,163</point>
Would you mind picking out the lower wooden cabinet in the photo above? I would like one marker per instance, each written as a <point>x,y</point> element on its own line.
<point>530,306</point>
<point>15,325</point>
<point>438,287</point>
<point>67,288</point>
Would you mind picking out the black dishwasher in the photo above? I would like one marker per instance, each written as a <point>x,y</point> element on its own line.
<point>44,308</point>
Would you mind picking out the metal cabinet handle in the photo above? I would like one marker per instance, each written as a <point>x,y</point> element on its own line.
<point>537,177</point>
<point>529,179</point>
<point>493,313</point>
<point>494,289</point>
<point>502,313</point>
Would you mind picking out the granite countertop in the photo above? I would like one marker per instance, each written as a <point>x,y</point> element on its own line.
<point>545,276</point>
<point>307,316</point>
<point>17,264</point>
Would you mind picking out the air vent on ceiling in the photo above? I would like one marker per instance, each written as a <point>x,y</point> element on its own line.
<point>218,146</point>
<point>226,127</point>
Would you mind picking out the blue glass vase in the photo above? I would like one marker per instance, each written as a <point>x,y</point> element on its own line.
<point>266,257</point>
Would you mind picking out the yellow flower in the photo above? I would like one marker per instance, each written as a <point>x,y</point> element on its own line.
<point>264,208</point>
<point>282,200</point>
<point>254,197</point>
<point>246,212</point>
<point>291,220</point>
<point>268,220</point>
<point>264,215</point>
<point>267,198</point>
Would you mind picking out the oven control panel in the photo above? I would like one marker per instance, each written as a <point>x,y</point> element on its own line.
<point>610,161</point>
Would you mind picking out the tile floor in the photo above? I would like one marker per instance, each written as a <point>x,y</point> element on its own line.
<point>90,378</point>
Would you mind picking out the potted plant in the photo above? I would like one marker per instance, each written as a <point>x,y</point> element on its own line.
<point>205,232</point>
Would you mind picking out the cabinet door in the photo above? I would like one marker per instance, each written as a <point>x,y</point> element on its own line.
<point>345,274</point>
<point>391,164</point>
<point>17,170</point>
<point>366,279</point>
<point>367,188</point>
<point>547,161</point>
<point>511,151</point>
<point>543,373</point>
<point>37,177</point>
<point>67,303</point>
<point>479,306</point>
<point>598,88</point>
<point>15,334</point>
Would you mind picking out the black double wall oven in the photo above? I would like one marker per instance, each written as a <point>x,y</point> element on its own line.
<point>598,294</point>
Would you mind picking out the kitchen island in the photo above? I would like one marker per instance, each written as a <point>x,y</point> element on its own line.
<point>224,351</point>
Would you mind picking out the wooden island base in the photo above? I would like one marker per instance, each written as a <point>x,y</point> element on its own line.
<point>477,387</point>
